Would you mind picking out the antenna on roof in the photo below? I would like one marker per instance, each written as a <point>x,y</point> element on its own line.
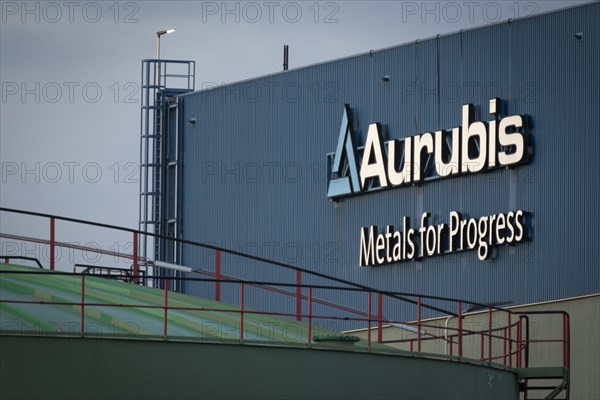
<point>285,57</point>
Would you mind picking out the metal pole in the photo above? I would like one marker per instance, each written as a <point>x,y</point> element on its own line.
<point>52,243</point>
<point>218,275</point>
<point>309,315</point>
<point>136,269</point>
<point>567,346</point>
<point>157,77</point>
<point>490,334</point>
<point>504,347</point>
<point>298,296</point>
<point>460,332</point>
<point>165,286</point>
<point>82,320</point>
<point>369,320</point>
<point>241,312</point>
<point>509,340</point>
<point>518,350</point>
<point>419,324</point>
<point>482,345</point>
<point>379,318</point>
<point>158,47</point>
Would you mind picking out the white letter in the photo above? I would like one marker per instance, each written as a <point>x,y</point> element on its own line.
<point>421,141</point>
<point>511,139</point>
<point>479,129</point>
<point>405,173</point>
<point>367,255</point>
<point>373,148</point>
<point>451,167</point>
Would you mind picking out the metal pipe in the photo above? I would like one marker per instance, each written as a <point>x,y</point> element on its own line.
<point>446,334</point>
<point>174,267</point>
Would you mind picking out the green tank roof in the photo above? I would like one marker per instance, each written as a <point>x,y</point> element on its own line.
<point>107,311</point>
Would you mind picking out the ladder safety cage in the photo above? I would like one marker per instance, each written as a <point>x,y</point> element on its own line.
<point>160,167</point>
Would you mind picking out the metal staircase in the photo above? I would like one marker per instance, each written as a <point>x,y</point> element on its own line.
<point>160,166</point>
<point>549,377</point>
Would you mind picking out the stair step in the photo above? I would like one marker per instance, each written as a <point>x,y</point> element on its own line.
<point>542,373</point>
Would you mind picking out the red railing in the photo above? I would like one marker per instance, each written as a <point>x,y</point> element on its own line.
<point>512,335</point>
<point>423,331</point>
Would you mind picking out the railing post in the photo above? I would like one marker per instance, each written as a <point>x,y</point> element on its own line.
<point>218,275</point>
<point>490,334</point>
<point>82,319</point>
<point>509,340</point>
<point>504,347</point>
<point>136,269</point>
<point>6,260</point>
<point>518,351</point>
<point>482,346</point>
<point>165,305</point>
<point>567,347</point>
<point>460,330</point>
<point>241,311</point>
<point>419,324</point>
<point>369,320</point>
<point>526,342</point>
<point>298,295</point>
<point>379,318</point>
<point>309,315</point>
<point>52,243</point>
<point>566,341</point>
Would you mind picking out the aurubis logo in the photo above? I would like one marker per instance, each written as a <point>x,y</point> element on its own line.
<point>473,147</point>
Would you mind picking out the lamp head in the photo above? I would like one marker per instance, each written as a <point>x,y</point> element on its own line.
<point>165,32</point>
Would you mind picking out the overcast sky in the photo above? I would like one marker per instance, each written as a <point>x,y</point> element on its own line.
<point>70,73</point>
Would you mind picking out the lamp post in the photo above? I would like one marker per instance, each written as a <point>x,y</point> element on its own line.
<point>158,35</point>
<point>159,118</point>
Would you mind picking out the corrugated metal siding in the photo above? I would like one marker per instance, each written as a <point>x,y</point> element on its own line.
<point>267,140</point>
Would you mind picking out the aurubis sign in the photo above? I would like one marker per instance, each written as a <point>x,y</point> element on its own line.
<point>473,147</point>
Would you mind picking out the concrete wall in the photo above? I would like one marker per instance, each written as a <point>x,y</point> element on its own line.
<point>75,368</point>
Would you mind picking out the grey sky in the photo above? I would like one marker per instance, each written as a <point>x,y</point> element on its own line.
<point>70,72</point>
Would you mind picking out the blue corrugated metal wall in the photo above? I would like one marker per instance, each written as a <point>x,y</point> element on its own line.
<point>255,162</point>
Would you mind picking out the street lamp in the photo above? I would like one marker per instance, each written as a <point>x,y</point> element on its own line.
<point>158,35</point>
<point>158,102</point>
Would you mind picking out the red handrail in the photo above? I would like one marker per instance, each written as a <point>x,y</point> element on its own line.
<point>520,343</point>
<point>507,354</point>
